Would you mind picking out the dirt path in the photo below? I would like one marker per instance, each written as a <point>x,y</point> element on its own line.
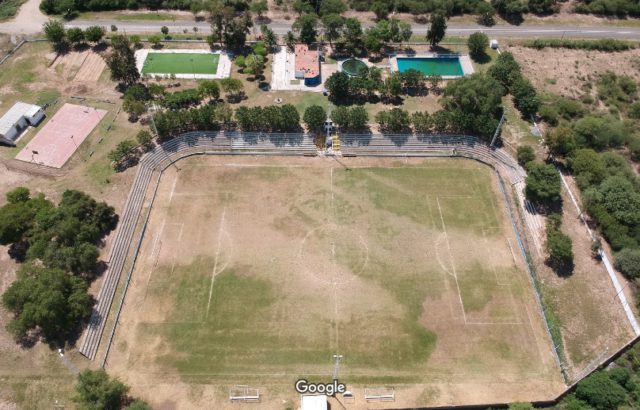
<point>28,21</point>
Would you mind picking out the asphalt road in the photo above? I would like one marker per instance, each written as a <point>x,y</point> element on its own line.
<point>523,31</point>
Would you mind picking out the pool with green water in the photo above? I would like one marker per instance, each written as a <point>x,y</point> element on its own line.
<point>442,66</point>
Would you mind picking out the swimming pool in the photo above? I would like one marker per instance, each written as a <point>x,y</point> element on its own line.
<point>442,66</point>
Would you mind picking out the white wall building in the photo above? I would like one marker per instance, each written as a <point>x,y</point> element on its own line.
<point>19,117</point>
<point>313,402</point>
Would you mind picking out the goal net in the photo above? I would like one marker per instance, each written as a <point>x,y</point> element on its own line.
<point>379,394</point>
<point>244,393</point>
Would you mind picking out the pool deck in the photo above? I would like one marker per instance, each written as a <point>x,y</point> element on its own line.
<point>465,63</point>
<point>223,71</point>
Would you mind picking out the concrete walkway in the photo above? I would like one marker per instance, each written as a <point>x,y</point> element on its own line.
<point>29,20</point>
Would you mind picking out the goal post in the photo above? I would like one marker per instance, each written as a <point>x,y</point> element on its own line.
<point>379,394</point>
<point>244,393</point>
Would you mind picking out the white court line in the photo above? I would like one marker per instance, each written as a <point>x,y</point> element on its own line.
<point>215,262</point>
<point>453,266</point>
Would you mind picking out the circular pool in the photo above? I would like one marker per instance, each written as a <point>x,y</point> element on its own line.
<point>353,67</point>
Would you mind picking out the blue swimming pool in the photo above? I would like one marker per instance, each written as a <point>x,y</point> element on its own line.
<point>442,66</point>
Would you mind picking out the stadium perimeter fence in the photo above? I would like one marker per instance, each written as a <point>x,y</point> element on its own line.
<point>189,144</point>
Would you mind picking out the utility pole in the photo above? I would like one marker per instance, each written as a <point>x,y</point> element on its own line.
<point>495,134</point>
<point>338,357</point>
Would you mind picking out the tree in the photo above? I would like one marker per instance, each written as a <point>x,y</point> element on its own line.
<point>338,86</point>
<point>478,43</point>
<point>254,65</point>
<point>525,154</point>
<point>18,195</point>
<point>122,61</point>
<point>381,10</point>
<point>560,140</point>
<point>558,247</point>
<point>404,32</point>
<point>486,14</point>
<point>96,390</point>
<point>542,184</point>
<point>332,7</point>
<point>525,97</point>
<point>269,36</point>
<point>290,40</point>
<point>340,117</point>
<point>358,118</point>
<point>395,120</point>
<point>627,261</point>
<point>75,35</point>
<point>314,117</point>
<point>599,391</point>
<point>588,167</point>
<point>48,300</point>
<point>144,138</point>
<point>209,89</point>
<point>123,153</point>
<point>138,405</point>
<point>94,34</point>
<point>474,104</point>
<point>258,7</point>
<point>352,34</point>
<point>422,122</point>
<point>306,25</point>
<point>511,10</point>
<point>233,87</point>
<point>55,33</point>
<point>333,24</point>
<point>164,30</point>
<point>392,86</point>
<point>135,108</point>
<point>372,40</point>
<point>437,28</point>
<point>506,70</point>
<point>621,200</point>
<point>413,80</point>
<point>155,40</point>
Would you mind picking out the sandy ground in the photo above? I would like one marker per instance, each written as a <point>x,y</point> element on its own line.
<point>564,71</point>
<point>173,240</point>
<point>28,21</point>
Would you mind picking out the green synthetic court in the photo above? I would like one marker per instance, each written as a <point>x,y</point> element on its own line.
<point>180,63</point>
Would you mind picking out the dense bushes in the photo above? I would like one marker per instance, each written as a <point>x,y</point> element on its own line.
<point>607,44</point>
<point>618,8</point>
<point>54,240</point>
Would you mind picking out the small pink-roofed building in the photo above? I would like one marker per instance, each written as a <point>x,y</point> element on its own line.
<point>307,65</point>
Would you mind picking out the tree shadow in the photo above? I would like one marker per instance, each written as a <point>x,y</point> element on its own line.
<point>357,137</point>
<point>481,58</point>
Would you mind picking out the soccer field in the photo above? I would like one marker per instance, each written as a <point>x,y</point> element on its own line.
<point>180,63</point>
<point>256,271</point>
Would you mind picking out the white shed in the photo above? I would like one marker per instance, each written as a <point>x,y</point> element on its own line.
<point>19,117</point>
<point>313,402</point>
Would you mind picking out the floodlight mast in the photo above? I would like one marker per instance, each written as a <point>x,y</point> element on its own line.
<point>338,357</point>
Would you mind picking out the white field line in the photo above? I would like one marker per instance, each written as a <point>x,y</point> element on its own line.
<point>513,255</point>
<point>335,282</point>
<point>155,254</point>
<point>453,266</point>
<point>215,262</point>
<point>173,188</point>
<point>173,263</point>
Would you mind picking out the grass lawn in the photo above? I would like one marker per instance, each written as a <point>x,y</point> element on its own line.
<point>180,63</point>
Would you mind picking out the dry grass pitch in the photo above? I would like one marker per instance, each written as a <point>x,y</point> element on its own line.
<point>257,270</point>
